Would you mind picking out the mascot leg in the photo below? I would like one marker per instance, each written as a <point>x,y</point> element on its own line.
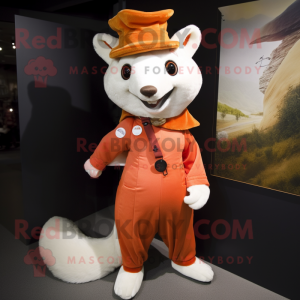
<point>78,258</point>
<point>136,225</point>
<point>180,237</point>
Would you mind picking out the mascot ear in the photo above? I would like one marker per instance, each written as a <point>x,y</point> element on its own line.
<point>103,43</point>
<point>189,38</point>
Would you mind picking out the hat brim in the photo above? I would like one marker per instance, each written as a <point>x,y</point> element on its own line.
<point>135,48</point>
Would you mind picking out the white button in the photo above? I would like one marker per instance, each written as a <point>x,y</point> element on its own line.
<point>137,130</point>
<point>120,132</point>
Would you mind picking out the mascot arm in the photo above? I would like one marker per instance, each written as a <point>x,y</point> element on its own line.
<point>113,144</point>
<point>192,161</point>
<point>196,179</point>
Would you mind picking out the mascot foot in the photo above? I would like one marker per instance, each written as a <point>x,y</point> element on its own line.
<point>128,284</point>
<point>198,270</point>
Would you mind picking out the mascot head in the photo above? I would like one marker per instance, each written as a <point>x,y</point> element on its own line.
<point>148,74</point>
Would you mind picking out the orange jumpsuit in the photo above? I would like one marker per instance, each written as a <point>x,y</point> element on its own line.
<point>147,202</point>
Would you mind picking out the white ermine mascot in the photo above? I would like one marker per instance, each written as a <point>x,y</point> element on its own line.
<point>153,79</point>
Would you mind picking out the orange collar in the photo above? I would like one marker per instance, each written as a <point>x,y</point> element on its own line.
<point>184,121</point>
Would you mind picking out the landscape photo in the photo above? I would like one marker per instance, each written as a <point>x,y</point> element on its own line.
<point>258,110</point>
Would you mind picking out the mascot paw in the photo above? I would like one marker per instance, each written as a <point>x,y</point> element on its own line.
<point>198,196</point>
<point>93,172</point>
<point>198,270</point>
<point>128,284</point>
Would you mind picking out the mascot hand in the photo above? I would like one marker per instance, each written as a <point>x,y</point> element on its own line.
<point>198,196</point>
<point>93,172</point>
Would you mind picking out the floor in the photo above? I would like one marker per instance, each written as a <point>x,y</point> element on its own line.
<point>160,281</point>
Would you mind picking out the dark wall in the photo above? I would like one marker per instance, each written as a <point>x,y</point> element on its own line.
<point>53,118</point>
<point>274,215</point>
<point>70,109</point>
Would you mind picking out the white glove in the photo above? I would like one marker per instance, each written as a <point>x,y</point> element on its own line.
<point>198,196</point>
<point>93,172</point>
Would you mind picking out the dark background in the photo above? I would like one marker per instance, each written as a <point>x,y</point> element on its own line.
<point>274,215</point>
<point>52,119</point>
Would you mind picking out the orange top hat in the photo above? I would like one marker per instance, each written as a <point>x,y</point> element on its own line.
<point>141,32</point>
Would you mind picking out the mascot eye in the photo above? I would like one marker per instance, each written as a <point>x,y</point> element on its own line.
<point>45,68</point>
<point>171,68</point>
<point>125,72</point>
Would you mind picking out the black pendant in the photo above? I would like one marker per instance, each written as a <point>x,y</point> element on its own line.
<point>160,165</point>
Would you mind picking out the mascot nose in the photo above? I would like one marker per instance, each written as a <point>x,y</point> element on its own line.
<point>148,90</point>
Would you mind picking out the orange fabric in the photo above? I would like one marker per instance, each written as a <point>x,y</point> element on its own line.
<point>147,202</point>
<point>132,270</point>
<point>186,40</point>
<point>184,121</point>
<point>141,32</point>
<point>186,263</point>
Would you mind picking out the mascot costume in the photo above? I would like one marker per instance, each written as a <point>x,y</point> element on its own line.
<point>153,79</point>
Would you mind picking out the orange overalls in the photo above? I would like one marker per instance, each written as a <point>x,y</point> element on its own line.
<point>148,202</point>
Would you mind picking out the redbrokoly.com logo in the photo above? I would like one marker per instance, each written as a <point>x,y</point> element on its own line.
<point>40,68</point>
<point>39,258</point>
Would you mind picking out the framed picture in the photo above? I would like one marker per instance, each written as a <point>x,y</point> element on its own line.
<point>258,105</point>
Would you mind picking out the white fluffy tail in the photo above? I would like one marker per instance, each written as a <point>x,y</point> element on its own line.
<point>78,258</point>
